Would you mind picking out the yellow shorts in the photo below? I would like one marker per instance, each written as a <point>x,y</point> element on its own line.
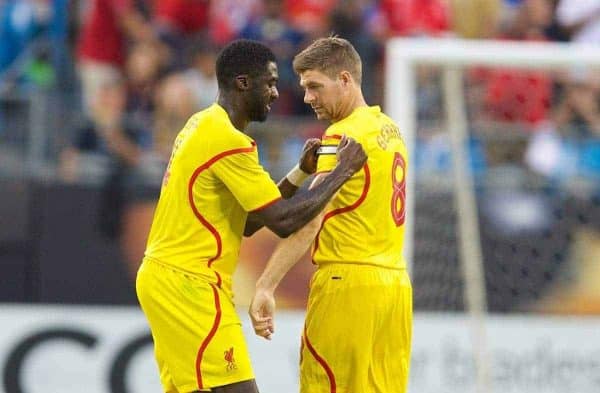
<point>198,339</point>
<point>357,334</point>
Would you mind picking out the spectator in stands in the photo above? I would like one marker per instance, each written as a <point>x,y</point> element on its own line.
<point>575,127</point>
<point>181,17</point>
<point>478,18</point>
<point>513,101</point>
<point>556,31</point>
<point>175,102</point>
<point>578,107</point>
<point>570,149</point>
<point>411,18</point>
<point>229,17</point>
<point>179,23</point>
<point>582,17</point>
<point>21,23</point>
<point>416,17</point>
<point>310,16</point>
<point>101,49</point>
<point>568,144</point>
<point>109,144</point>
<point>349,20</point>
<point>201,75</point>
<point>144,66</point>
<point>521,97</point>
<point>272,28</point>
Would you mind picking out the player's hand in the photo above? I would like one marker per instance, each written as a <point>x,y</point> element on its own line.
<point>262,311</point>
<point>351,154</point>
<point>308,159</point>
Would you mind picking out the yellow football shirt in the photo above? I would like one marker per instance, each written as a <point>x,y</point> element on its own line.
<point>364,222</point>
<point>212,181</point>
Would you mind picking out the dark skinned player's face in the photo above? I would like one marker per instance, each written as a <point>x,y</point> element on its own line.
<point>263,93</point>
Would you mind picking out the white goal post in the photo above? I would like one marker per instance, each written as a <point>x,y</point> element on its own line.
<point>452,55</point>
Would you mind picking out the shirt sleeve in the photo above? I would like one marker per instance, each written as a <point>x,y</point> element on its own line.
<point>327,159</point>
<point>247,180</point>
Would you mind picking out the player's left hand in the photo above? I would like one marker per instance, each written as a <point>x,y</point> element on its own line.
<point>308,159</point>
<point>262,311</point>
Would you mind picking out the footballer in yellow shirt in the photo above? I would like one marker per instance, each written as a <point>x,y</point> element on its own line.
<point>218,167</point>
<point>358,325</point>
<point>214,191</point>
<point>364,223</point>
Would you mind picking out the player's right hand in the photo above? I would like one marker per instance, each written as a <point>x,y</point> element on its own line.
<point>351,154</point>
<point>308,159</point>
<point>262,311</point>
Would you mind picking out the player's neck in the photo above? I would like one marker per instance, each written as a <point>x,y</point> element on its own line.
<point>237,116</point>
<point>356,101</point>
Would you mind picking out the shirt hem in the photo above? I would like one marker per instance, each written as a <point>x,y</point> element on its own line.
<point>345,263</point>
<point>266,205</point>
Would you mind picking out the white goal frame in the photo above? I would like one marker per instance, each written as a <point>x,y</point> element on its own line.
<point>452,55</point>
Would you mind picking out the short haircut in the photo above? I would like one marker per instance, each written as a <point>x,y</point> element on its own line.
<point>330,56</point>
<point>242,57</point>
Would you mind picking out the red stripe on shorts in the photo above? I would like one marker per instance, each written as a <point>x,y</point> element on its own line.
<point>209,337</point>
<point>322,362</point>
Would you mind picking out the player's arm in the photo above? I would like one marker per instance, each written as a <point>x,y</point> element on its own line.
<point>307,165</point>
<point>286,216</point>
<point>287,253</point>
<point>291,182</point>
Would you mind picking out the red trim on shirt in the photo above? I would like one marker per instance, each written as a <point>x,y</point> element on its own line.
<point>195,175</point>
<point>266,205</point>
<point>209,337</point>
<point>345,209</point>
<point>322,362</point>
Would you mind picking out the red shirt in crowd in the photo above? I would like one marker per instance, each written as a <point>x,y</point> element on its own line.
<point>515,95</point>
<point>416,17</point>
<point>308,15</point>
<point>101,38</point>
<point>186,16</point>
<point>229,17</point>
<point>521,96</point>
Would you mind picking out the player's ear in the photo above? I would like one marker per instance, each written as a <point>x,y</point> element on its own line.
<point>346,78</point>
<point>242,82</point>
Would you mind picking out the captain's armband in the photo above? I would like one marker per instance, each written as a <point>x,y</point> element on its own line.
<point>327,150</point>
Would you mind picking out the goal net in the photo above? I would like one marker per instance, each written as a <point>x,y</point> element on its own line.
<point>503,204</point>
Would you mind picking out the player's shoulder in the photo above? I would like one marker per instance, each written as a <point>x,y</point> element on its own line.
<point>358,125</point>
<point>372,118</point>
<point>335,131</point>
<point>332,135</point>
<point>214,130</point>
<point>387,121</point>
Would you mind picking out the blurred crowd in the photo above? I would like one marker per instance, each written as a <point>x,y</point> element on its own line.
<point>140,68</point>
